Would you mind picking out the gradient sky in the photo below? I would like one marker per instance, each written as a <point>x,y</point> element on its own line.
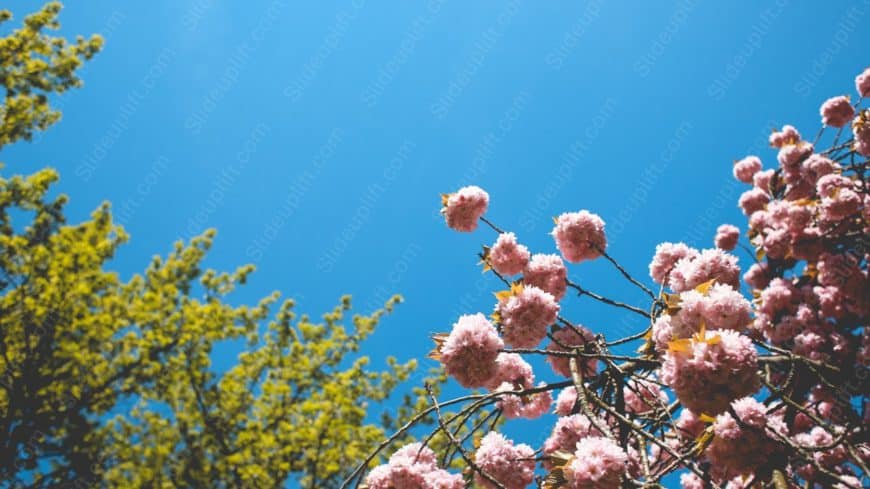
<point>317,136</point>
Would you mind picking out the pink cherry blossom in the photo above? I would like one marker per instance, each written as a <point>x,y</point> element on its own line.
<point>643,396</point>
<point>530,406</point>
<point>579,236</point>
<point>506,256</point>
<point>413,467</point>
<point>569,430</point>
<point>837,111</point>
<point>726,237</point>
<point>667,255</point>
<point>740,448</point>
<point>469,353</point>
<point>525,316</point>
<point>463,208</point>
<point>862,83</point>
<point>548,273</point>
<point>598,463</point>
<point>710,264</point>
<point>571,337</point>
<point>753,200</point>
<point>712,372</point>
<point>513,466</point>
<point>746,168</point>
<point>788,135</point>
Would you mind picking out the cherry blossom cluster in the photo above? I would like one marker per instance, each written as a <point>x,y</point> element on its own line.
<point>738,376</point>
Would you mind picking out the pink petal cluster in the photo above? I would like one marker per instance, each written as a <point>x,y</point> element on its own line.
<point>511,369</point>
<point>689,272</point>
<point>740,447</point>
<point>548,273</point>
<point>721,307</point>
<point>666,256</point>
<point>413,468</point>
<point>790,156</point>
<point>746,168</point>
<point>530,406</point>
<point>469,353</point>
<point>825,452</point>
<point>513,466</point>
<point>569,430</point>
<point>643,396</point>
<point>463,208</point>
<point>753,200</point>
<point>711,374</point>
<point>726,237</point>
<point>580,236</point>
<point>861,133</point>
<point>862,83</point>
<point>526,315</point>
<point>566,400</point>
<point>566,339</point>
<point>598,463</point>
<point>506,256</point>
<point>837,111</point>
<point>787,135</point>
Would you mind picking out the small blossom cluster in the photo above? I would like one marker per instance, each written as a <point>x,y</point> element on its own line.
<point>742,445</point>
<point>598,463</point>
<point>413,467</point>
<point>716,306</point>
<point>512,466</point>
<point>710,370</point>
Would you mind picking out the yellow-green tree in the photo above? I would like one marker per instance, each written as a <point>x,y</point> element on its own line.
<point>106,382</point>
<point>34,65</point>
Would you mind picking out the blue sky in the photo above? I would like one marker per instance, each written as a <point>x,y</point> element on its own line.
<point>316,137</point>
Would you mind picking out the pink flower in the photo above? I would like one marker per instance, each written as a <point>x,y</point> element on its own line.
<point>861,133</point>
<point>569,430</point>
<point>708,373</point>
<point>689,425</point>
<point>598,463</point>
<point>725,308</point>
<point>530,406</point>
<point>513,466</point>
<point>761,180</point>
<point>746,168</point>
<point>667,255</point>
<point>817,166</point>
<point>525,315</point>
<point>757,276</point>
<point>566,400</point>
<point>463,208</point>
<point>791,155</point>
<point>837,111</point>
<point>506,256</point>
<point>688,273</point>
<point>413,467</point>
<point>862,83</point>
<point>580,236</point>
<point>726,237</point>
<point>788,135</point>
<point>689,480</point>
<point>740,448</point>
<point>841,205</point>
<point>548,273</point>
<point>511,368</point>
<point>753,200</point>
<point>574,337</point>
<point>721,307</point>
<point>643,396</point>
<point>469,353</point>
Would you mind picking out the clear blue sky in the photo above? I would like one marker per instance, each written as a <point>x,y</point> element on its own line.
<point>317,136</point>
